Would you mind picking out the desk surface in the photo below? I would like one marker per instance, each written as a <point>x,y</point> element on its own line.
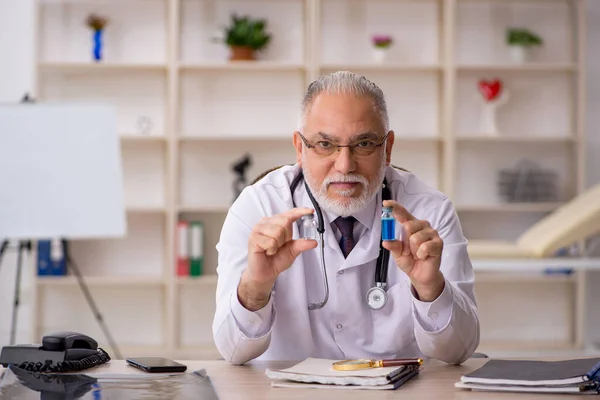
<point>435,381</point>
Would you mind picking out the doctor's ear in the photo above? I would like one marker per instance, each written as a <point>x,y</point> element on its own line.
<point>297,140</point>
<point>388,147</point>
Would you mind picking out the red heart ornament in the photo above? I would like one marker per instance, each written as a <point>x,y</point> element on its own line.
<point>490,90</point>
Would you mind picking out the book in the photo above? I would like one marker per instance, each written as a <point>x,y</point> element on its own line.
<point>196,246</point>
<point>183,253</point>
<point>318,373</point>
<point>580,375</point>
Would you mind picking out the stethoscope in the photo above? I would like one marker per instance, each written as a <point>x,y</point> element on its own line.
<point>376,296</point>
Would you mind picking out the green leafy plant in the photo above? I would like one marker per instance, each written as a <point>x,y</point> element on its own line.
<point>247,32</point>
<point>522,37</point>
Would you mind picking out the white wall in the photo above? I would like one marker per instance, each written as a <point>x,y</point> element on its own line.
<point>593,143</point>
<point>593,93</point>
<point>16,78</point>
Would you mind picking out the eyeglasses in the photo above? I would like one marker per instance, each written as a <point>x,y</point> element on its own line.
<point>362,148</point>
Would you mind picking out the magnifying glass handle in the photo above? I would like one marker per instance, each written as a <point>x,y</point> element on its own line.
<point>400,361</point>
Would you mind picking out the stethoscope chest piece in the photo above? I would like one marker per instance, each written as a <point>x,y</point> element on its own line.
<point>377,297</point>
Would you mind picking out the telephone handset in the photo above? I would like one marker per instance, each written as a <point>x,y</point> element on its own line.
<point>60,352</point>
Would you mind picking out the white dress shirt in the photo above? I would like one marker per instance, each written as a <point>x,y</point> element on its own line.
<point>346,328</point>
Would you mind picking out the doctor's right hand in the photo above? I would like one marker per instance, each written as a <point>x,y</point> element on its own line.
<point>271,250</point>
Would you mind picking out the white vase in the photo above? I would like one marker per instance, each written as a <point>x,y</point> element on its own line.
<point>519,54</point>
<point>379,55</point>
<point>489,126</point>
<point>488,119</point>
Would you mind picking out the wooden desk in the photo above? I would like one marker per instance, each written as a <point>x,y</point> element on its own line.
<point>435,381</point>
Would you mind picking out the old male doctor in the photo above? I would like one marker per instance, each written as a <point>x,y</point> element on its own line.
<point>267,275</point>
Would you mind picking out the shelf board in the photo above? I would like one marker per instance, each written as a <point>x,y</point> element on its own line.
<point>523,277</point>
<point>127,281</point>
<point>133,138</point>
<point>257,65</point>
<point>512,1</point>
<point>93,2</point>
<point>528,67</point>
<point>522,265</point>
<point>202,209</point>
<point>391,67</point>
<point>525,345</point>
<point>197,280</point>
<point>139,209</point>
<point>510,207</point>
<point>516,139</point>
<point>229,138</point>
<point>103,66</point>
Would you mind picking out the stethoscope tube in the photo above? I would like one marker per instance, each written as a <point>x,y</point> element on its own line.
<point>376,296</point>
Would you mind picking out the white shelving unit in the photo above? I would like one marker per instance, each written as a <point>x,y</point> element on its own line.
<point>207,112</point>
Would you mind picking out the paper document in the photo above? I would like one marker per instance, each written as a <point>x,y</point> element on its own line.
<point>318,373</point>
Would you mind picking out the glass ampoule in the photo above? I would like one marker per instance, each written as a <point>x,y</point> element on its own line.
<point>388,224</point>
<point>308,227</point>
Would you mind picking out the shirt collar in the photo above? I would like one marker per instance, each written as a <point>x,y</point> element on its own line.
<point>365,216</point>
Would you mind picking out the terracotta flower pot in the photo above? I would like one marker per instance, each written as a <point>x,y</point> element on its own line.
<point>241,53</point>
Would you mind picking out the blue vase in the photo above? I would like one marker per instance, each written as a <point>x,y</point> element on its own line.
<point>98,45</point>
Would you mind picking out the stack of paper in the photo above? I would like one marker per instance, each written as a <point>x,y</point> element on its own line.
<point>319,373</point>
<point>578,376</point>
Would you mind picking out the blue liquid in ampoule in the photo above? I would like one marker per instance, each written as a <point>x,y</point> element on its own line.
<point>388,224</point>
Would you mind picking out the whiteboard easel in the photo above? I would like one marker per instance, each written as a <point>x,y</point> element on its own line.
<point>60,172</point>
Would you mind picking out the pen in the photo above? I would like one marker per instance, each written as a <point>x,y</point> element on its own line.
<point>397,362</point>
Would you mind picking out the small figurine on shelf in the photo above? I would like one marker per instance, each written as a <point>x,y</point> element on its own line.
<point>493,96</point>
<point>245,37</point>
<point>520,42</point>
<point>381,45</point>
<point>144,125</point>
<point>240,168</point>
<point>97,24</point>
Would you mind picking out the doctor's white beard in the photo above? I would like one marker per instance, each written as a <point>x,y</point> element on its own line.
<point>350,205</point>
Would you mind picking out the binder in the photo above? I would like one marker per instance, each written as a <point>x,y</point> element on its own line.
<point>43,258</point>
<point>580,376</point>
<point>196,248</point>
<point>183,260</point>
<point>58,257</point>
<point>51,258</point>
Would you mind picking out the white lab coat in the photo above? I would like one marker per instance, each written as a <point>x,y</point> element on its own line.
<point>346,328</point>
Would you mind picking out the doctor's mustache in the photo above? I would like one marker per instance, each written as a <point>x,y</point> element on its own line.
<point>345,178</point>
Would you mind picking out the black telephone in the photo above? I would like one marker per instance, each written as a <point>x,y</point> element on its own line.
<point>60,352</point>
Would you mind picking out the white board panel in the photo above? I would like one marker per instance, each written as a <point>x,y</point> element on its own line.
<point>61,172</point>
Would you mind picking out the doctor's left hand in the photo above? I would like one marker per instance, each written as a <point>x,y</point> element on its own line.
<point>418,254</point>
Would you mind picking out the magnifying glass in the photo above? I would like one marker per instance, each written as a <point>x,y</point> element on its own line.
<point>353,365</point>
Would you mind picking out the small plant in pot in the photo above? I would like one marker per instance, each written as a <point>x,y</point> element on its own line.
<point>381,46</point>
<point>246,36</point>
<point>520,42</point>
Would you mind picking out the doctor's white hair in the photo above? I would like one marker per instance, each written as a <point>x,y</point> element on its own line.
<point>345,82</point>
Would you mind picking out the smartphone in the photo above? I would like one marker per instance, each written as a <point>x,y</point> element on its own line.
<point>156,364</point>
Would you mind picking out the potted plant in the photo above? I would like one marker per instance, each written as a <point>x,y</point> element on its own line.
<point>520,42</point>
<point>245,36</point>
<point>97,24</point>
<point>381,45</point>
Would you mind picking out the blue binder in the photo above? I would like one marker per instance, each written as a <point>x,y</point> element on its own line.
<point>51,258</point>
